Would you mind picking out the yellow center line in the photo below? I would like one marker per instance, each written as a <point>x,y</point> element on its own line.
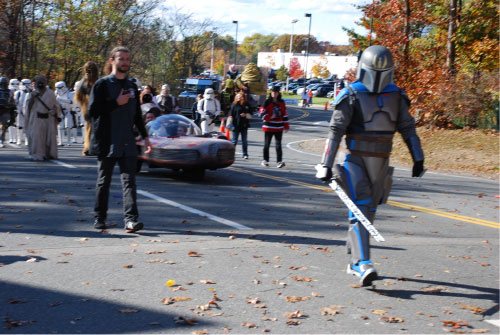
<point>452,216</point>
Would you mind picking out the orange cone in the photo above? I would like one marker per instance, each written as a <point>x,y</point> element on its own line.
<point>326,105</point>
<point>222,122</point>
<point>228,134</point>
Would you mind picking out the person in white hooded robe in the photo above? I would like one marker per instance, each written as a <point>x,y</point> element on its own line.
<point>208,108</point>
<point>41,128</point>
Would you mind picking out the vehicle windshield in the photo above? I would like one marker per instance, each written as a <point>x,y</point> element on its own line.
<point>197,88</point>
<point>172,125</point>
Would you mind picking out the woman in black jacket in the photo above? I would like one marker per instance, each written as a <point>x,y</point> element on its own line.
<point>241,115</point>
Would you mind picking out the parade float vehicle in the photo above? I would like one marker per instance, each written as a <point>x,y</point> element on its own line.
<point>177,143</point>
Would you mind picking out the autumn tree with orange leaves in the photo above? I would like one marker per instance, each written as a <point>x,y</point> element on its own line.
<point>446,56</point>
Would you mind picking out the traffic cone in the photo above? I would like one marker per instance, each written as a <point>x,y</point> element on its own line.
<point>222,122</point>
<point>326,105</point>
<point>228,134</point>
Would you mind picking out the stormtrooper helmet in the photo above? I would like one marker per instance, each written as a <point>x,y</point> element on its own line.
<point>209,94</point>
<point>13,84</point>
<point>61,88</point>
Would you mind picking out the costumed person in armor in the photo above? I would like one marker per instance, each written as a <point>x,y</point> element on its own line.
<point>14,88</point>
<point>7,109</point>
<point>68,123</point>
<point>368,113</point>
<point>82,94</point>
<point>20,99</point>
<point>168,103</point>
<point>41,127</point>
<point>208,108</point>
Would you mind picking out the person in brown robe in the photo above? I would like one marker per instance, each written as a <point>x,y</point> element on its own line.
<point>43,111</point>
<point>82,95</point>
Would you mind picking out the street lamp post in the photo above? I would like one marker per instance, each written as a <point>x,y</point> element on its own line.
<point>290,51</point>
<point>236,43</point>
<point>291,36</point>
<point>212,55</point>
<point>307,49</point>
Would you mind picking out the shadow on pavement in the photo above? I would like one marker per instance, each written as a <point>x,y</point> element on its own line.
<point>34,310</point>
<point>471,291</point>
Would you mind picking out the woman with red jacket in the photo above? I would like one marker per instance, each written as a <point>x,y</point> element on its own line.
<point>275,119</point>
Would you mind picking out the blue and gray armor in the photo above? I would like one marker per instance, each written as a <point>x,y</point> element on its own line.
<point>365,118</point>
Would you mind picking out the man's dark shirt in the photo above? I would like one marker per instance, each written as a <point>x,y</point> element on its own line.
<point>112,125</point>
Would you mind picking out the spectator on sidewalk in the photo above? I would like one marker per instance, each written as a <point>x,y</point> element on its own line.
<point>304,96</point>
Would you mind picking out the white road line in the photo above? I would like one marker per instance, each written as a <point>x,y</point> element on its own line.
<point>289,146</point>
<point>194,211</point>
<point>63,164</point>
<point>494,322</point>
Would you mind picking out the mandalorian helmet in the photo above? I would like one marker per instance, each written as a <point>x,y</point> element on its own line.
<point>375,68</point>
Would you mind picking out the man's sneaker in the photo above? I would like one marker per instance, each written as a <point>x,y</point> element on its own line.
<point>264,163</point>
<point>245,157</point>
<point>100,224</point>
<point>133,226</point>
<point>280,165</point>
<point>364,270</point>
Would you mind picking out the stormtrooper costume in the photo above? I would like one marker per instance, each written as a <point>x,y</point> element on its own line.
<point>20,99</point>
<point>208,108</point>
<point>368,113</point>
<point>14,88</point>
<point>65,99</point>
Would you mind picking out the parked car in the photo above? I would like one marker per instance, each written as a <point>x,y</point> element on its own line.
<point>321,90</point>
<point>177,143</point>
<point>308,87</point>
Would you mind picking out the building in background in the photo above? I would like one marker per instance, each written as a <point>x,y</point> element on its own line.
<point>335,64</point>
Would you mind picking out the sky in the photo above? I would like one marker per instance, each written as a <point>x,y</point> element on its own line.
<point>275,17</point>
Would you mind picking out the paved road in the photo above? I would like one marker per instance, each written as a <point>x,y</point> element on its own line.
<point>267,242</point>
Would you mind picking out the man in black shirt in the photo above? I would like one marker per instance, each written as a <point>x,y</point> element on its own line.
<point>114,109</point>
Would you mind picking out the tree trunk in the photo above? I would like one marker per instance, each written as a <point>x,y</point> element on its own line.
<point>407,34</point>
<point>452,28</point>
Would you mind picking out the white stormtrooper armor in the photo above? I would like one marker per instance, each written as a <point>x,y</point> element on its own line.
<point>208,108</point>
<point>20,99</point>
<point>14,88</point>
<point>368,113</point>
<point>65,99</point>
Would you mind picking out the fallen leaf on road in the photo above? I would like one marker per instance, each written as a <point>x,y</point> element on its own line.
<point>293,322</point>
<point>169,301</point>
<point>392,319</point>
<point>32,260</point>
<point>207,281</point>
<point>379,311</point>
<point>179,320</point>
<point>330,311</point>
<point>170,282</point>
<point>248,325</point>
<point>128,266</point>
<point>128,311</point>
<point>455,324</point>
<point>296,299</point>
<point>474,309</point>
<point>317,295</point>
<point>203,331</point>
<point>31,251</point>
<point>295,315</point>
<point>155,252</point>
<point>435,289</point>
<point>306,279</point>
<point>17,301</point>
<point>253,301</point>
<point>193,254</point>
